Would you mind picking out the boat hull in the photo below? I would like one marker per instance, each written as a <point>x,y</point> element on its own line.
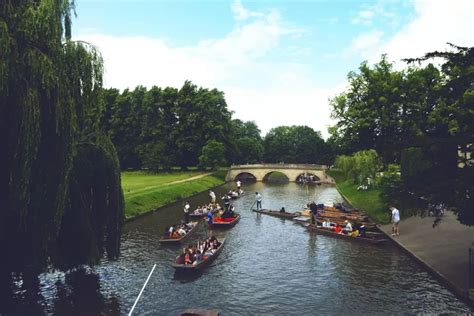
<point>167,240</point>
<point>201,265</point>
<point>374,239</point>
<point>276,213</point>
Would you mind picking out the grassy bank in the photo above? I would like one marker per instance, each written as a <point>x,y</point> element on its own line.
<point>367,201</point>
<point>145,191</point>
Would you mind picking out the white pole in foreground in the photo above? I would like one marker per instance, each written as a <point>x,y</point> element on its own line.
<point>144,285</point>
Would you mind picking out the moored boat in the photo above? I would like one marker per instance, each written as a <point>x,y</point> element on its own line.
<point>167,239</point>
<point>276,213</point>
<point>199,266</point>
<point>370,238</point>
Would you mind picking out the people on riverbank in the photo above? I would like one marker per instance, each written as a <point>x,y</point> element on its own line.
<point>258,198</point>
<point>395,221</point>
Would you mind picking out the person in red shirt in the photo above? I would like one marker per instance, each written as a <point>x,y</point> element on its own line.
<point>337,229</point>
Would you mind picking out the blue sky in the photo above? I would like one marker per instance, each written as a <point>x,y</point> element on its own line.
<point>283,58</point>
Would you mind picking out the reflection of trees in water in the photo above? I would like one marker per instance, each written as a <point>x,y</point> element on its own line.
<point>78,293</point>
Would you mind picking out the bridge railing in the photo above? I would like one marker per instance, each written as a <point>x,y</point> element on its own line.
<point>279,166</point>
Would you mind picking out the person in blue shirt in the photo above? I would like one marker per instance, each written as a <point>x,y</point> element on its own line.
<point>209,217</point>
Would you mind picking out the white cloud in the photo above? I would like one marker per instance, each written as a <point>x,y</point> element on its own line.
<point>269,92</point>
<point>364,17</point>
<point>433,25</point>
<point>364,44</point>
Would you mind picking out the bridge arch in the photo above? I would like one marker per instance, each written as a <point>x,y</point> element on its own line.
<point>306,177</point>
<point>286,178</point>
<point>245,177</point>
<point>291,171</point>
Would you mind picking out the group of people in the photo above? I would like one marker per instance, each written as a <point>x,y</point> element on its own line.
<point>203,210</point>
<point>177,231</point>
<point>200,251</point>
<point>348,228</point>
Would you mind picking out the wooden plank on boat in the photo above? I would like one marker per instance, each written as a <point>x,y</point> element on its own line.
<point>165,239</point>
<point>200,265</point>
<point>276,213</point>
<point>370,239</point>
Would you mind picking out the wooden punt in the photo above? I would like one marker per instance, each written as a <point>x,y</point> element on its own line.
<point>276,213</point>
<point>369,239</point>
<point>225,224</point>
<point>170,240</point>
<point>200,265</point>
<point>200,312</point>
<point>342,222</point>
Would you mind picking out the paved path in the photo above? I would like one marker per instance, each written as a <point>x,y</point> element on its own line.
<point>443,248</point>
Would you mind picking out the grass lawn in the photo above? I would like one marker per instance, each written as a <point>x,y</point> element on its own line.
<point>146,191</point>
<point>367,201</point>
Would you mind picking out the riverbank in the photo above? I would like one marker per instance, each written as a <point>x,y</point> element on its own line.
<point>145,192</point>
<point>442,248</point>
<point>368,201</point>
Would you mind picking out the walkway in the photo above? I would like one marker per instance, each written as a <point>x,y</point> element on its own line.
<point>443,247</point>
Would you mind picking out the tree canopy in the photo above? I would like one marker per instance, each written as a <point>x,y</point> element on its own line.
<point>421,118</point>
<point>62,203</point>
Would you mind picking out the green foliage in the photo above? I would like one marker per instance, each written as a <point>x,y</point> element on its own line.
<point>361,168</point>
<point>390,184</point>
<point>212,155</point>
<point>294,144</point>
<point>384,109</point>
<point>368,201</point>
<point>414,167</point>
<point>50,113</point>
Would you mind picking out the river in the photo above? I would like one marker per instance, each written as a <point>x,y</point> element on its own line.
<point>268,266</point>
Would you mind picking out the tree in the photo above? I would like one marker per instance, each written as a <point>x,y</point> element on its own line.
<point>294,144</point>
<point>59,174</point>
<point>212,155</point>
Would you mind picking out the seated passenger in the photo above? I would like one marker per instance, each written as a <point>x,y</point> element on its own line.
<point>354,233</point>
<point>181,231</point>
<point>187,258</point>
<point>175,234</point>
<point>337,229</point>
<point>362,230</point>
<point>348,227</point>
<point>282,210</point>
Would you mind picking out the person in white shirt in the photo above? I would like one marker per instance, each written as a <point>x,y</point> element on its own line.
<point>186,212</point>
<point>258,197</point>
<point>238,185</point>
<point>213,196</point>
<point>395,221</point>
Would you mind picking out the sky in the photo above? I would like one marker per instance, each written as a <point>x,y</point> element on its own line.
<point>278,62</point>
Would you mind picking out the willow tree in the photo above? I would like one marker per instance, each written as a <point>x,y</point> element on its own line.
<point>61,204</point>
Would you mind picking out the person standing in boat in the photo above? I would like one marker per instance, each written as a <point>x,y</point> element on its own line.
<point>238,186</point>
<point>258,198</point>
<point>313,208</point>
<point>213,196</point>
<point>186,212</point>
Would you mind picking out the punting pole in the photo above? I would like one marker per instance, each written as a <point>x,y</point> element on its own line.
<point>144,285</point>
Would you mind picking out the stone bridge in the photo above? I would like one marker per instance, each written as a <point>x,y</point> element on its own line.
<point>262,171</point>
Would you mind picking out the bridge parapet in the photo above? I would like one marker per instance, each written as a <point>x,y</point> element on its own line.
<point>292,171</point>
